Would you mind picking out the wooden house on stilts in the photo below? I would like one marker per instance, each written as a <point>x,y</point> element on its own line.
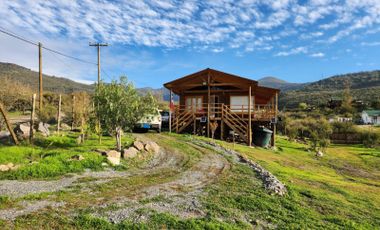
<point>211,98</point>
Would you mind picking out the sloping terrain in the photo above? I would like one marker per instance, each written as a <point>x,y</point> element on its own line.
<point>364,86</point>
<point>30,78</point>
<point>192,186</point>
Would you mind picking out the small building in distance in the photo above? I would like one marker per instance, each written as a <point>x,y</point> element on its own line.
<point>371,117</point>
<point>229,104</point>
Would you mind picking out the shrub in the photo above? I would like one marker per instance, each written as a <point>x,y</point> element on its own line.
<point>343,127</point>
<point>370,139</point>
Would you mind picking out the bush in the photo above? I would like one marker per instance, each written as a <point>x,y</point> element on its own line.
<point>344,127</point>
<point>370,139</point>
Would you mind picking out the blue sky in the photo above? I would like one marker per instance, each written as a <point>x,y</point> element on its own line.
<point>153,42</point>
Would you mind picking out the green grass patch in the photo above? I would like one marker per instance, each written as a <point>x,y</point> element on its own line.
<point>51,157</point>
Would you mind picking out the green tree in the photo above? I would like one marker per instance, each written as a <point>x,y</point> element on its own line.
<point>119,106</point>
<point>319,131</point>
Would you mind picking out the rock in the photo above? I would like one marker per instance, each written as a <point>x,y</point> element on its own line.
<point>80,139</point>
<point>77,157</point>
<point>22,130</point>
<point>138,145</point>
<point>4,168</point>
<point>15,167</point>
<point>4,134</point>
<point>131,152</point>
<point>113,153</point>
<point>152,147</point>
<point>113,157</point>
<point>44,129</point>
<point>319,154</point>
<point>65,126</point>
<point>7,167</point>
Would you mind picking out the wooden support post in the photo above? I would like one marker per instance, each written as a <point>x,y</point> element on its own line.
<point>31,134</point>
<point>250,116</point>
<point>9,126</point>
<point>59,114</point>
<point>40,76</point>
<point>222,124</point>
<point>194,126</point>
<point>208,104</point>
<point>177,125</point>
<point>275,123</point>
<point>72,112</point>
<point>170,110</point>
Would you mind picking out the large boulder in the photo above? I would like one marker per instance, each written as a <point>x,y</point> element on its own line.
<point>22,130</point>
<point>131,152</point>
<point>44,129</point>
<point>113,157</point>
<point>138,145</point>
<point>152,147</point>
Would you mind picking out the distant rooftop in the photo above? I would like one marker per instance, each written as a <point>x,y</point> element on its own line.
<point>372,112</point>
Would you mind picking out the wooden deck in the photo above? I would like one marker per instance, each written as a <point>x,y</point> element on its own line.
<point>236,118</point>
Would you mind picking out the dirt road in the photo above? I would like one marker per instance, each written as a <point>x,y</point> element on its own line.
<point>171,181</point>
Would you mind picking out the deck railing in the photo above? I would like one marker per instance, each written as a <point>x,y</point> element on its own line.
<point>258,111</point>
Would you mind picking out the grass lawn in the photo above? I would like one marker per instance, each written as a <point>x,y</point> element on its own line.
<point>50,157</point>
<point>340,190</point>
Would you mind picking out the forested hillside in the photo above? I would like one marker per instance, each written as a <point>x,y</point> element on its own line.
<point>364,86</point>
<point>29,78</point>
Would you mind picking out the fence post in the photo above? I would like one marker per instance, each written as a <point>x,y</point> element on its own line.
<point>31,134</point>
<point>8,124</point>
<point>59,114</point>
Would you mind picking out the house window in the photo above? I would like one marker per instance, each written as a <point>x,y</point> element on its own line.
<point>194,103</point>
<point>240,103</point>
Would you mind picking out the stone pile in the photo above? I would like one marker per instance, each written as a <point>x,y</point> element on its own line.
<point>138,149</point>
<point>271,183</point>
<point>22,130</point>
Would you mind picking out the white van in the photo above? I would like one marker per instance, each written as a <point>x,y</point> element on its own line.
<point>149,122</point>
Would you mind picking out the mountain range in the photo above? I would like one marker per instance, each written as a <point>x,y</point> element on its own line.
<point>364,86</point>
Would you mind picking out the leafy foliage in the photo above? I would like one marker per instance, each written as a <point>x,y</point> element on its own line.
<point>370,139</point>
<point>119,106</point>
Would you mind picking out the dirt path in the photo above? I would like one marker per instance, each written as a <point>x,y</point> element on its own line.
<point>179,195</point>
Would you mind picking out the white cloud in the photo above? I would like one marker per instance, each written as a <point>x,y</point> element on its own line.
<point>293,51</point>
<point>370,43</point>
<point>319,55</point>
<point>214,26</point>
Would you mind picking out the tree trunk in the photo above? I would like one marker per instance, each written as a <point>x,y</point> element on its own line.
<point>118,139</point>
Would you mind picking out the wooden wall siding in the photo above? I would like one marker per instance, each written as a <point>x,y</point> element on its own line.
<point>209,83</point>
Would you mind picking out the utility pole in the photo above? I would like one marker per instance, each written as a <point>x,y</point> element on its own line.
<point>40,75</point>
<point>98,45</point>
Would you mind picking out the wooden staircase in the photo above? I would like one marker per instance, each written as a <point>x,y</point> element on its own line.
<point>182,120</point>
<point>235,122</point>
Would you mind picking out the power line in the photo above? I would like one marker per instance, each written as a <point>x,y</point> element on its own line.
<point>68,56</point>
<point>17,36</point>
<point>43,47</point>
